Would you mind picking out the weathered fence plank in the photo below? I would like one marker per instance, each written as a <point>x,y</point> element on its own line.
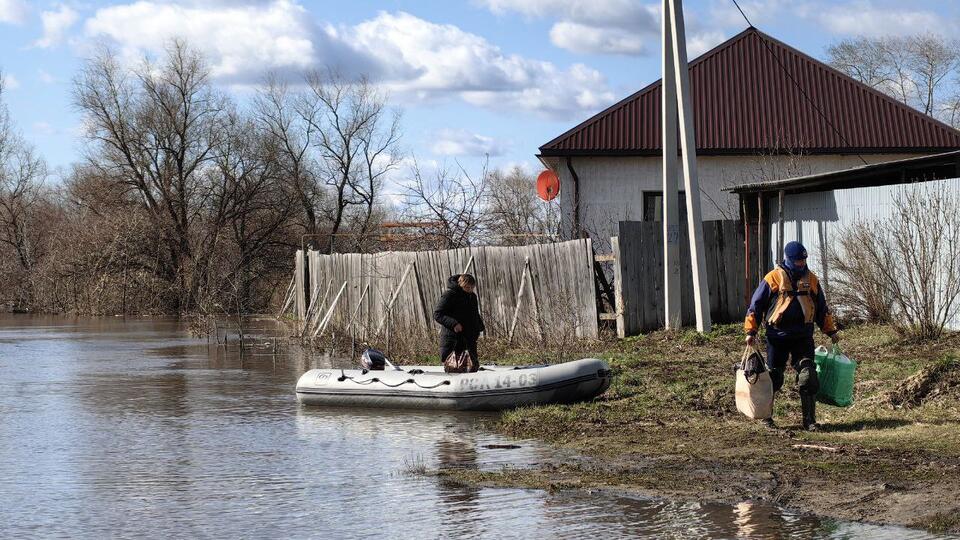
<point>560,293</point>
<point>638,274</point>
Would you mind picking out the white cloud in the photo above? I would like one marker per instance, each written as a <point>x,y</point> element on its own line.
<point>595,27</point>
<point>426,59</point>
<point>413,58</point>
<point>55,25</point>
<point>582,38</point>
<point>13,11</point>
<point>240,40</point>
<point>9,81</point>
<point>460,142</point>
<point>45,76</point>
<point>619,13</point>
<point>867,19</point>
<point>700,43</point>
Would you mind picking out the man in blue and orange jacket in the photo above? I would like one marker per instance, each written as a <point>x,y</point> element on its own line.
<point>790,301</point>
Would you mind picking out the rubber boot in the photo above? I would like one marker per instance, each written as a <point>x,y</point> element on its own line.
<point>808,404</point>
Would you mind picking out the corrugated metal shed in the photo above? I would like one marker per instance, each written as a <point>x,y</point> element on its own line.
<point>819,219</point>
<point>915,169</point>
<point>744,103</point>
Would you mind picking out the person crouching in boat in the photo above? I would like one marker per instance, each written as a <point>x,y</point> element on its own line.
<point>459,314</point>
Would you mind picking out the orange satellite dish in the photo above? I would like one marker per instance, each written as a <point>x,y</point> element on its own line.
<point>548,185</point>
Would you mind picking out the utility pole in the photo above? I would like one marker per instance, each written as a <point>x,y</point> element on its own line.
<point>670,215</point>
<point>681,77</point>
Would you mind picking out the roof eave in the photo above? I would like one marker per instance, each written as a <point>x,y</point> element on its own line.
<point>863,172</point>
<point>753,152</point>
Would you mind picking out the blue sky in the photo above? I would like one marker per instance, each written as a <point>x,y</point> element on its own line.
<point>482,76</point>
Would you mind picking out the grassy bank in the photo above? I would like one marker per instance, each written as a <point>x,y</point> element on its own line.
<point>668,426</point>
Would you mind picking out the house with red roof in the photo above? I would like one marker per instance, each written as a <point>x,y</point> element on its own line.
<point>763,111</point>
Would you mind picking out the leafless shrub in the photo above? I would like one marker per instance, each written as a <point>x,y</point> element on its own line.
<point>856,293</point>
<point>22,174</point>
<point>911,258</point>
<point>517,215</point>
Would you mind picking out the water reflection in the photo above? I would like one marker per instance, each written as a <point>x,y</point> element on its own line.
<point>112,428</point>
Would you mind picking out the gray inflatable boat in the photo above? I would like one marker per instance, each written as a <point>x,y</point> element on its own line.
<point>428,387</point>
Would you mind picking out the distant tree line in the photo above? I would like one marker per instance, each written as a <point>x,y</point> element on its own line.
<point>187,201</point>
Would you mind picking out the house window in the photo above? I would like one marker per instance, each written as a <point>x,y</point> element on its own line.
<point>653,206</point>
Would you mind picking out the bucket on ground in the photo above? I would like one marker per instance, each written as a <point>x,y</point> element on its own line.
<point>836,372</point>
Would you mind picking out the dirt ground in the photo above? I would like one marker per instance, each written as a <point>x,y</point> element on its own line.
<point>668,427</point>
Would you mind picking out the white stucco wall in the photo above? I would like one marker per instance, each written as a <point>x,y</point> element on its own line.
<point>611,188</point>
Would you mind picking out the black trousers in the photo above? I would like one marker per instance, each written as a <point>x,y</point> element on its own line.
<point>794,349</point>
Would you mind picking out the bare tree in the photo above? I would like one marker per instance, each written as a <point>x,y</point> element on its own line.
<point>22,174</point>
<point>450,204</point>
<point>255,205</point>
<point>289,125</point>
<point>154,130</point>
<point>517,215</point>
<point>356,143</point>
<point>918,70</point>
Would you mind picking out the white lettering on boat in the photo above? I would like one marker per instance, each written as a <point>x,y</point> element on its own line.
<point>510,380</point>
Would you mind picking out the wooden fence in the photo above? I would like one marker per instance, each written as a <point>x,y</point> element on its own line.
<point>546,288</point>
<point>638,274</point>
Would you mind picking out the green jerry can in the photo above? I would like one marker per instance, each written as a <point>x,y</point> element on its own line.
<point>835,372</point>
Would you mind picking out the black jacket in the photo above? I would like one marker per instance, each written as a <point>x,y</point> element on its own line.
<point>458,306</point>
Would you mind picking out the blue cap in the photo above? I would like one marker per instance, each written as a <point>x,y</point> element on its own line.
<point>795,251</point>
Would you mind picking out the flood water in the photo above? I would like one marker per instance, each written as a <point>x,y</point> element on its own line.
<point>112,428</point>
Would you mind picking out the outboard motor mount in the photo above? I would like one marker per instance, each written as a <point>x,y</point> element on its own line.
<point>373,360</point>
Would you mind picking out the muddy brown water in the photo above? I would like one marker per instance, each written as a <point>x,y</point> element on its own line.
<point>114,428</point>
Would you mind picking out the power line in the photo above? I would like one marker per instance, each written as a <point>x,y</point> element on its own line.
<point>797,83</point>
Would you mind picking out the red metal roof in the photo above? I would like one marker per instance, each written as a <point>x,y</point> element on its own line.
<point>744,103</point>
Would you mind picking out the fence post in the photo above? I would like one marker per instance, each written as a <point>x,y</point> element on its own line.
<point>288,298</point>
<point>314,313</point>
<point>516,310</point>
<point>396,293</point>
<point>423,301</point>
<point>618,286</point>
<point>326,318</point>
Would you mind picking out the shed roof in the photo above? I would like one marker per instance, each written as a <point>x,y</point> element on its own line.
<point>745,103</point>
<point>901,171</point>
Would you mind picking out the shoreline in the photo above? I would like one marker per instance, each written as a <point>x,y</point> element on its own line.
<point>668,428</point>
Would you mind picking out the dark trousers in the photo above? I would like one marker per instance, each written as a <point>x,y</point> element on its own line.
<point>449,346</point>
<point>780,349</point>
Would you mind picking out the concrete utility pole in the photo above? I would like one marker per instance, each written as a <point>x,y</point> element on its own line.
<point>681,75</point>
<point>670,215</point>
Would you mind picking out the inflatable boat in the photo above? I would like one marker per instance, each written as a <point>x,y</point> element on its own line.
<point>428,387</point>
